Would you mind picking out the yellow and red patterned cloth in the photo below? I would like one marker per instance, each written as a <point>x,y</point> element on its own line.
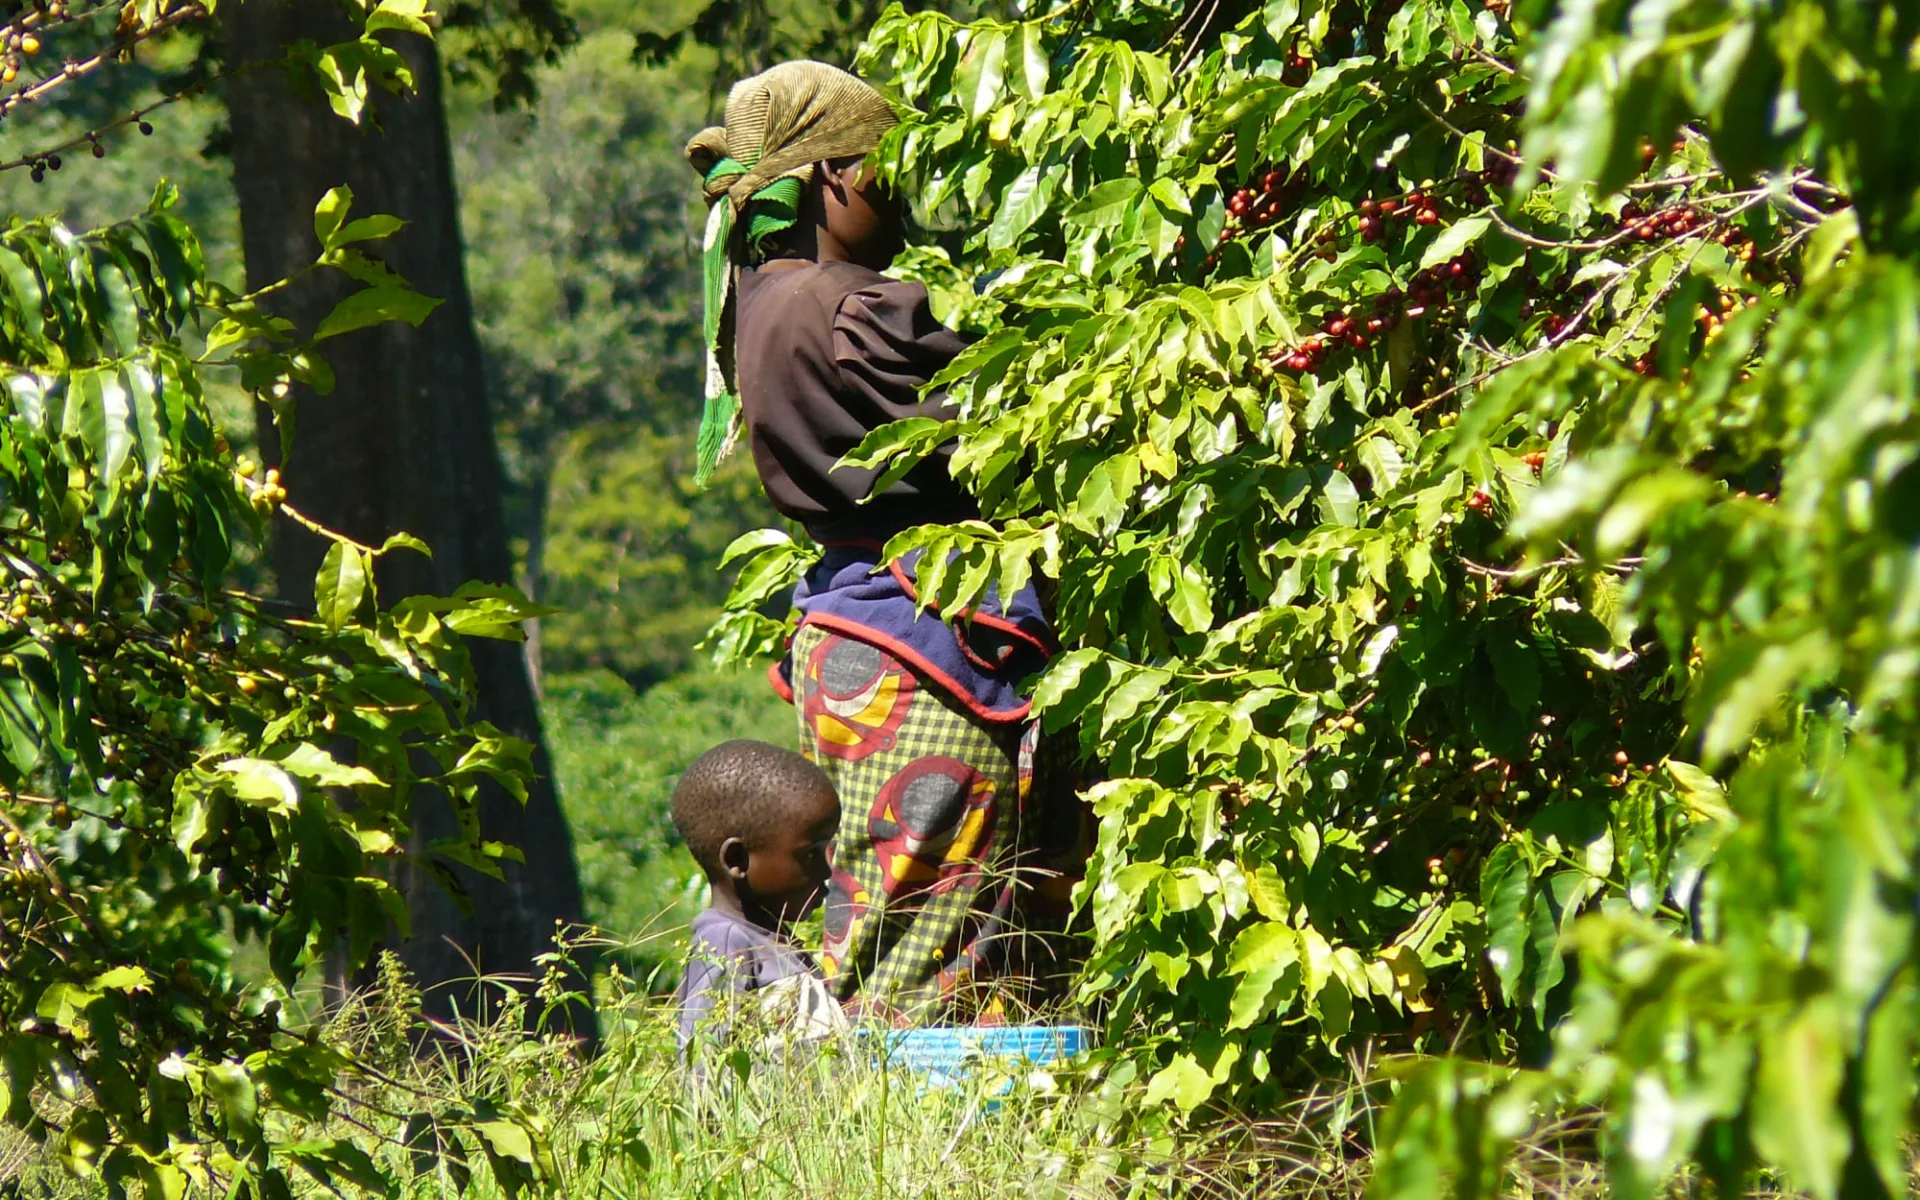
<point>922,897</point>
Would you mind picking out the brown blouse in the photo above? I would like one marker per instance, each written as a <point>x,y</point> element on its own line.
<point>826,353</point>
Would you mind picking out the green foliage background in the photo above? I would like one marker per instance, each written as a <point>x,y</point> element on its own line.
<point>1473,445</point>
<point>175,749</point>
<point>585,278</point>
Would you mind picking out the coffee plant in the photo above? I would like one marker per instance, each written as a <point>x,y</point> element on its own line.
<point>181,761</point>
<point>1472,445</point>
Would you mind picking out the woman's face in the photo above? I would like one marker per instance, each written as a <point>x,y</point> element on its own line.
<point>860,214</point>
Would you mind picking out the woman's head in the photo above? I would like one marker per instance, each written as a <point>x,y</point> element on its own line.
<point>844,215</point>
<point>787,156</point>
<point>776,176</point>
<point>859,220</point>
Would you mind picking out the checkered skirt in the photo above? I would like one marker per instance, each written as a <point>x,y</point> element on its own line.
<point>919,907</point>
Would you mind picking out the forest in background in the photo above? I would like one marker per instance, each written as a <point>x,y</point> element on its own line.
<point>1476,448</point>
<point>582,256</point>
<point>576,208</point>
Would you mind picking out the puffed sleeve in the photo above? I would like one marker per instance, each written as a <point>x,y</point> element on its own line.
<point>887,345</point>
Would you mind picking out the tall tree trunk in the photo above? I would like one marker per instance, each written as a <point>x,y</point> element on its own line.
<point>402,443</point>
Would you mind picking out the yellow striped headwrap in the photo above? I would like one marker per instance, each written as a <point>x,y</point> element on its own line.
<point>778,124</point>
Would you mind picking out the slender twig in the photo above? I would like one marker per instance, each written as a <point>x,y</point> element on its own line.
<point>92,136</point>
<point>303,519</point>
<point>1624,566</point>
<point>76,68</point>
<point>1675,279</point>
<point>1666,289</point>
<point>1522,236</point>
<point>1463,135</point>
<point>1575,324</point>
<point>1672,181</point>
<point>1193,47</point>
<point>1491,60</point>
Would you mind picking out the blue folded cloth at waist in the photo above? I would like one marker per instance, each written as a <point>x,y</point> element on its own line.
<point>979,655</point>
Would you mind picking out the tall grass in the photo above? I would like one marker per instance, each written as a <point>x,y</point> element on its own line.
<point>629,1122</point>
<point>626,1123</point>
<point>836,1123</point>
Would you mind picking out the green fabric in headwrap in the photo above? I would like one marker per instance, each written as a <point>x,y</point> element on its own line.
<point>754,169</point>
<point>773,208</point>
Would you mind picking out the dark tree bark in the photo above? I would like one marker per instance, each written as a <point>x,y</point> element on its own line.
<point>402,443</point>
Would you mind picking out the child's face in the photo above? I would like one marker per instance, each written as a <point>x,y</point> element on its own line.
<point>788,876</point>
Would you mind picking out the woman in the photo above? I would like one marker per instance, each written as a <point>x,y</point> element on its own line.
<point>919,722</point>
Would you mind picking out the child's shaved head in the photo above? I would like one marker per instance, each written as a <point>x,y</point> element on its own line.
<point>741,789</point>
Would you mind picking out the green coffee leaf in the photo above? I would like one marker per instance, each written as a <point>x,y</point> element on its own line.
<point>257,781</point>
<point>375,306</point>
<point>1452,240</point>
<point>331,213</point>
<point>340,585</point>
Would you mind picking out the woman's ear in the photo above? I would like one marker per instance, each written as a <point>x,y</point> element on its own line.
<point>735,858</point>
<point>830,180</point>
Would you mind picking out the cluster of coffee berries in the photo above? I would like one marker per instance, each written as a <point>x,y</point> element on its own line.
<point>1624,762</point>
<point>1345,723</point>
<point>1432,286</point>
<point>1256,206</point>
<point>1481,500</point>
<point>1336,330</point>
<point>1297,67</point>
<point>1441,869</point>
<point>1671,221</point>
<point>21,45</point>
<point>1374,214</point>
<point>1736,241</point>
<point>1303,358</point>
<point>1715,313</point>
<point>266,494</point>
<point>1428,289</point>
<point>235,857</point>
<point>1422,205</point>
<point>1560,296</point>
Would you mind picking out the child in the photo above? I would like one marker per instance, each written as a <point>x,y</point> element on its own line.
<point>758,819</point>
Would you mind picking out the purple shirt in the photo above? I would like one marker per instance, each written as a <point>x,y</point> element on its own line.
<point>729,956</point>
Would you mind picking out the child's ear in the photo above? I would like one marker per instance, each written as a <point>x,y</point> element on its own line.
<point>735,858</point>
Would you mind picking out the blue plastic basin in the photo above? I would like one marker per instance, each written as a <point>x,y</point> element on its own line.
<point>948,1055</point>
